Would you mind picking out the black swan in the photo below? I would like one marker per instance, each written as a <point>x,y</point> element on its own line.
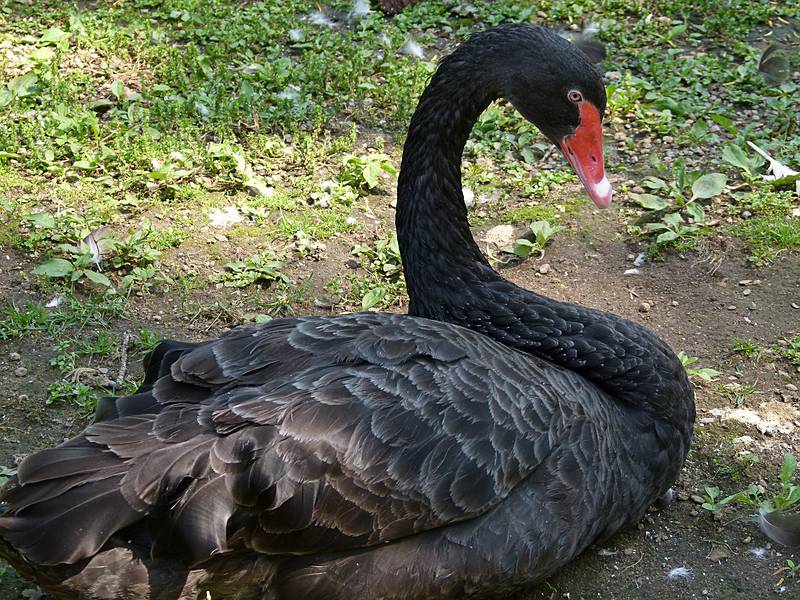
<point>373,455</point>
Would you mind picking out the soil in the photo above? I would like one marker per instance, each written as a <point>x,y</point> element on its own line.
<point>699,302</point>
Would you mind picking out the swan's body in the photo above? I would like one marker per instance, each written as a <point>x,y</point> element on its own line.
<point>377,456</point>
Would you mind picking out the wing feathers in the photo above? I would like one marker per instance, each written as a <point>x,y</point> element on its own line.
<point>294,436</point>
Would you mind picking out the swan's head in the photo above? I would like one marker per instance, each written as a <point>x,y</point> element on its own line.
<point>554,85</point>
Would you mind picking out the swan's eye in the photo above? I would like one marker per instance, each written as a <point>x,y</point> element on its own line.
<point>574,96</point>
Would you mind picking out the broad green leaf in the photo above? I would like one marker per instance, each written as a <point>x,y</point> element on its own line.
<point>789,467</point>
<point>43,220</point>
<point>673,219</point>
<point>544,231</point>
<point>697,212</point>
<point>101,104</point>
<point>667,236</point>
<point>648,201</point>
<point>388,167</point>
<point>528,156</point>
<point>55,267</point>
<point>724,122</point>
<point>679,171</point>
<point>98,278</point>
<point>371,173</point>
<point>41,55</point>
<point>53,36</point>
<point>676,31</point>
<point>699,130</point>
<point>522,247</point>
<point>679,109</point>
<point>372,297</point>
<point>705,374</point>
<point>738,497</point>
<point>734,155</point>
<point>85,165</point>
<point>246,90</point>
<point>708,186</point>
<point>654,183</point>
<point>5,96</point>
<point>118,89</point>
<point>24,85</point>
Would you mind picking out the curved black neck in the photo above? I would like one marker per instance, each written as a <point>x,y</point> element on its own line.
<point>431,216</point>
<point>450,280</point>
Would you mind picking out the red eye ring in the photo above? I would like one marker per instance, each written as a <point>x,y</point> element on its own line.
<point>574,96</point>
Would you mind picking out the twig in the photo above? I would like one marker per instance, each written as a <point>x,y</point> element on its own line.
<point>734,520</point>
<point>641,556</point>
<point>123,358</point>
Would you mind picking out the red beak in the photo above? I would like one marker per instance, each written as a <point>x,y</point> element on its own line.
<point>584,151</point>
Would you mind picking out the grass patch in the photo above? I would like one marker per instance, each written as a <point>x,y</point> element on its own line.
<point>767,236</point>
<point>72,312</point>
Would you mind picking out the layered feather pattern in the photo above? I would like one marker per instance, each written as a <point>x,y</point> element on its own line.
<point>347,431</point>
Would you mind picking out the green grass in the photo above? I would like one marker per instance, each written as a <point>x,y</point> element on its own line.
<point>528,214</point>
<point>73,313</point>
<point>767,236</point>
<point>746,348</point>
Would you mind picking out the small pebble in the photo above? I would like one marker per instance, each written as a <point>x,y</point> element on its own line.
<point>632,272</point>
<point>23,398</point>
<point>544,269</point>
<point>791,387</point>
<point>732,307</point>
<point>20,371</point>
<point>674,303</point>
<point>795,305</point>
<point>644,307</point>
<point>14,357</point>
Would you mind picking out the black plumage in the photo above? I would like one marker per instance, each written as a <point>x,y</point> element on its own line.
<point>376,455</point>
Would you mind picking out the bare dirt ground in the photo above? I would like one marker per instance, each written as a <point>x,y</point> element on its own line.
<point>699,302</point>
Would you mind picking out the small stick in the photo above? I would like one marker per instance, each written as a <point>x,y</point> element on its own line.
<point>641,556</point>
<point>123,358</point>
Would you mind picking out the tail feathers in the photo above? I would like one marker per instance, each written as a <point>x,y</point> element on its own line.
<point>69,526</point>
<point>78,456</point>
<point>157,364</point>
<point>783,528</point>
